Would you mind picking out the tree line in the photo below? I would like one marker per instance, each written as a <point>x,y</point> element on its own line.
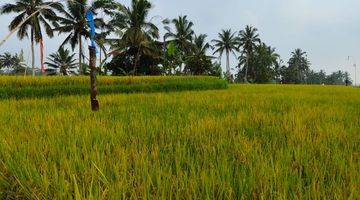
<point>129,43</point>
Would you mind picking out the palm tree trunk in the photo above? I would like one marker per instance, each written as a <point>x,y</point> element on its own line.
<point>105,58</point>
<point>100,60</point>
<point>93,83</point>
<point>32,52</point>
<point>63,71</point>
<point>42,57</point>
<point>136,61</point>
<point>80,55</point>
<point>246,69</point>
<point>228,73</point>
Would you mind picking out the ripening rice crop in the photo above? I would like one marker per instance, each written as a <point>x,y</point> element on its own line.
<point>26,87</point>
<point>246,142</point>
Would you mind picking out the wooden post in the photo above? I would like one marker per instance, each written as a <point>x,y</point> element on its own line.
<point>93,93</point>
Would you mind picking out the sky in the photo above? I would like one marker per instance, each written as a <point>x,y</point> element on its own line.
<point>328,30</point>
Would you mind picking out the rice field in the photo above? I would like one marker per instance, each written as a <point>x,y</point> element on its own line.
<point>30,87</point>
<point>245,142</point>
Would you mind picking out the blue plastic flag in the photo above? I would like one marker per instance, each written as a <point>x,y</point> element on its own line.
<point>90,18</point>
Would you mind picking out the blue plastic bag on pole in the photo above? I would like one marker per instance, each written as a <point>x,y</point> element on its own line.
<point>90,18</point>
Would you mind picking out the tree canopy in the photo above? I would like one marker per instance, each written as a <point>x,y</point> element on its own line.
<point>130,43</point>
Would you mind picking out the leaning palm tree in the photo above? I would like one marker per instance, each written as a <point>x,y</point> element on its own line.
<point>183,33</point>
<point>248,40</point>
<point>227,42</point>
<point>36,13</point>
<point>136,32</point>
<point>274,57</point>
<point>101,40</point>
<point>74,22</point>
<point>62,62</point>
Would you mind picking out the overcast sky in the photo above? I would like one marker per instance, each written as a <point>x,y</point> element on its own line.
<point>328,30</point>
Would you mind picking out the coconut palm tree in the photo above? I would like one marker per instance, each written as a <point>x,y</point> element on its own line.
<point>183,33</point>
<point>13,64</point>
<point>198,62</point>
<point>201,46</point>
<point>62,62</point>
<point>248,39</point>
<point>37,14</point>
<point>228,43</point>
<point>274,57</point>
<point>6,60</point>
<point>74,22</point>
<point>136,32</point>
<point>299,65</point>
<point>265,64</point>
<point>101,40</point>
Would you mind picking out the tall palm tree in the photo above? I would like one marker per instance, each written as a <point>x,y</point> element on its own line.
<point>183,33</point>
<point>74,22</point>
<point>298,56</point>
<point>201,46</point>
<point>136,32</point>
<point>274,57</point>
<point>299,64</point>
<point>227,42</point>
<point>248,39</point>
<point>40,13</point>
<point>61,62</point>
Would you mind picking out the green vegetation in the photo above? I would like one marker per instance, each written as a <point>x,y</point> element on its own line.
<point>39,12</point>
<point>130,43</point>
<point>61,62</point>
<point>177,141</point>
<point>229,43</point>
<point>250,141</point>
<point>17,87</point>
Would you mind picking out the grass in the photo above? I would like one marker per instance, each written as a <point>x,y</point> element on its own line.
<point>30,87</point>
<point>250,141</point>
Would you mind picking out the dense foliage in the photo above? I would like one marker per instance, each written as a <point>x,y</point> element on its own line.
<point>129,43</point>
<point>246,142</point>
<point>260,66</point>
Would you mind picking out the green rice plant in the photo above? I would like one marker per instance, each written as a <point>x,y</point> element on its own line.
<point>247,142</point>
<point>30,87</point>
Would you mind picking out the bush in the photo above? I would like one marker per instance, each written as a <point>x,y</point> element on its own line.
<point>28,87</point>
